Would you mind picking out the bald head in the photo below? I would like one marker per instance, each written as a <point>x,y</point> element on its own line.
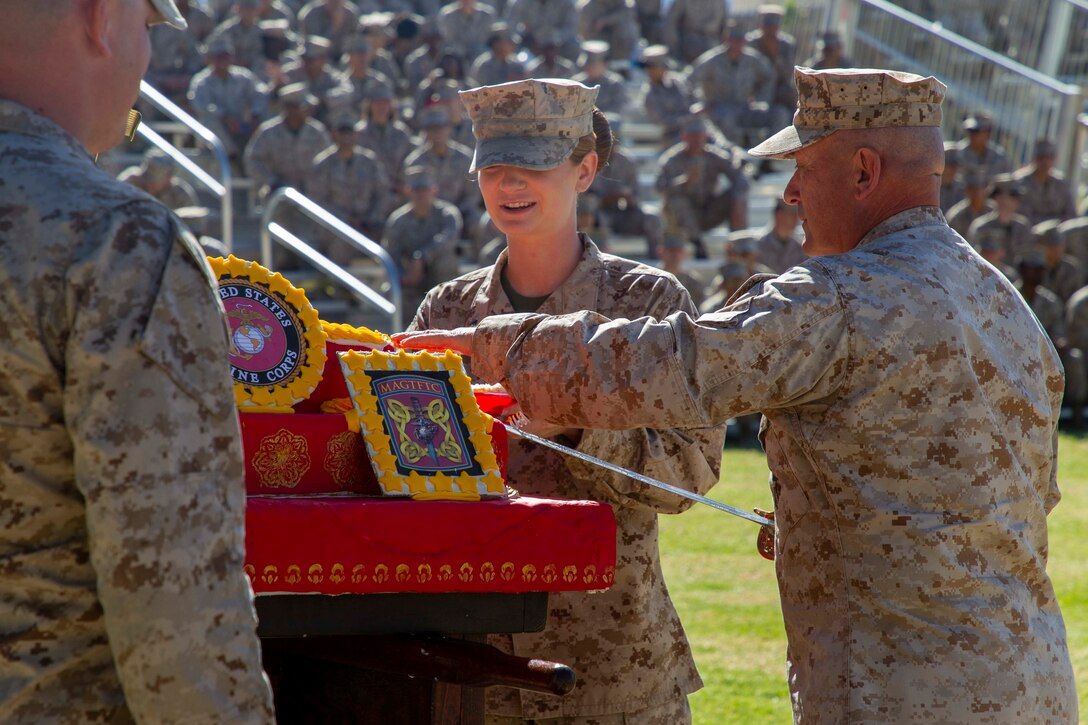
<point>849,182</point>
<point>77,62</point>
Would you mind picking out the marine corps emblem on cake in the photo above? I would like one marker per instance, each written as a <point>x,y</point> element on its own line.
<point>277,346</point>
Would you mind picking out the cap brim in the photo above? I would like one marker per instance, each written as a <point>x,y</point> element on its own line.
<point>528,152</point>
<point>168,13</point>
<point>788,141</point>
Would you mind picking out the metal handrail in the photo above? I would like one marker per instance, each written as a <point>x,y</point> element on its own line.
<point>222,188</point>
<point>271,230</point>
<point>1025,103</point>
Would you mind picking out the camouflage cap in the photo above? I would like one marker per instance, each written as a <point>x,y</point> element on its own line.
<point>978,122</point>
<point>220,45</point>
<point>534,123</point>
<point>419,177</point>
<point>655,55</point>
<point>842,99</point>
<point>1046,233</point>
<point>434,117</point>
<point>1006,184</point>
<point>1045,147</point>
<point>167,12</point>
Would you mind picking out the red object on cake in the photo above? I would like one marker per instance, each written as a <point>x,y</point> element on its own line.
<point>360,545</point>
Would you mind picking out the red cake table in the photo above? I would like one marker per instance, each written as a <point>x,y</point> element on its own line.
<point>335,576</point>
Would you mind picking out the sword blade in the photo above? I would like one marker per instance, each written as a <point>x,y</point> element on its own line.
<point>601,463</point>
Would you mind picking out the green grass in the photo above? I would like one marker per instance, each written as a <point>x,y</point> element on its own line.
<point>728,600</point>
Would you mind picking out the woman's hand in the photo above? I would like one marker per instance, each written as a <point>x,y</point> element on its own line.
<point>459,340</point>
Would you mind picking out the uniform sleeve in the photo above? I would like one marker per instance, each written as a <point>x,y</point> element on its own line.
<point>785,342</point>
<point>443,243</point>
<point>689,458</point>
<point>256,159</point>
<point>149,407</point>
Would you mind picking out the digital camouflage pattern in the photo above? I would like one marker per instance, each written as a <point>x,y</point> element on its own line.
<point>849,98</point>
<point>1014,236</point>
<point>532,123</point>
<point>467,32</point>
<point>431,238</point>
<point>277,156</point>
<point>1051,198</point>
<point>626,644</point>
<point>122,595</point>
<point>910,405</point>
<point>354,188</point>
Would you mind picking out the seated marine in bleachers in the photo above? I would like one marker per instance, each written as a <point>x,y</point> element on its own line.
<point>692,27</point>
<point>227,98</point>
<point>421,236</point>
<point>378,29</point>
<point>593,62</point>
<point>358,74</point>
<point>178,54</point>
<point>321,80</point>
<point>993,251</point>
<point>425,58</point>
<point>1075,235</point>
<point>1003,223</point>
<point>467,23</point>
<point>673,252</point>
<point>702,185</point>
<point>241,27</point>
<point>1051,313</point>
<point>830,53</point>
<point>549,64</point>
<point>386,136</point>
<point>448,162</point>
<point>778,245</point>
<point>978,154</point>
<point>975,203</point>
<point>498,64</point>
<point>613,21</point>
<point>667,97</point>
<point>1047,194</point>
<point>780,49</point>
<point>282,150</point>
<point>336,20</point>
<point>617,187</point>
<point>528,18</point>
<point>737,86</point>
<point>1063,274</point>
<point>349,181</point>
<point>155,175</point>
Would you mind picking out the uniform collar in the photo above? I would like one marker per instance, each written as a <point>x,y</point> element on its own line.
<point>17,118</point>
<point>578,292</point>
<point>916,217</point>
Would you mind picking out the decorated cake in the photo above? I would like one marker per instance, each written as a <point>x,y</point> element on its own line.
<point>277,348</point>
<point>307,431</point>
<point>425,434</point>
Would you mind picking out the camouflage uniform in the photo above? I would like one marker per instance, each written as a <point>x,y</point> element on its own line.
<point>247,41</point>
<point>866,366</point>
<point>1064,278</point>
<point>612,97</point>
<point>455,185</point>
<point>626,643</point>
<point>777,253</point>
<point>121,533</point>
<point>277,156</point>
<point>178,194</point>
<point>490,70</point>
<point>468,32</point>
<point>962,215</point>
<point>696,207</point>
<point>667,104</point>
<point>782,61</point>
<point>734,91</point>
<point>355,189</point>
<point>240,95</point>
<point>530,17</point>
<point>693,27</point>
<point>1049,199</point>
<point>391,143</point>
<point>619,180</point>
<point>613,21</point>
<point>1075,237</point>
<point>432,238</point>
<point>991,162</point>
<point>1014,236</point>
<point>315,19</point>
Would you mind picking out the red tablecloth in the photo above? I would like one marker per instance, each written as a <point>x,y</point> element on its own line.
<point>361,545</point>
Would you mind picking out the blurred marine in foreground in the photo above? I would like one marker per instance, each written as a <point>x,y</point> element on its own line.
<point>122,595</point>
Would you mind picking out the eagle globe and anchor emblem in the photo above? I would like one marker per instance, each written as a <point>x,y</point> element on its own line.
<point>250,335</point>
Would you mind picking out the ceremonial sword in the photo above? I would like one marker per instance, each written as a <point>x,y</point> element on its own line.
<point>593,460</point>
